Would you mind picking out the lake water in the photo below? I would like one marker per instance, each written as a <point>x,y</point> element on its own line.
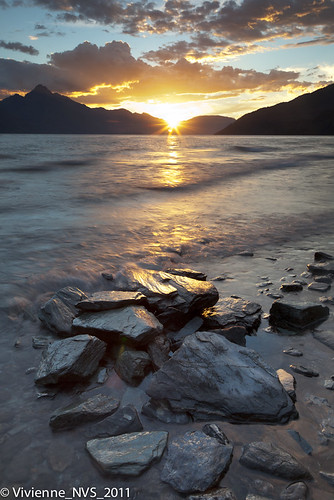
<point>73,206</point>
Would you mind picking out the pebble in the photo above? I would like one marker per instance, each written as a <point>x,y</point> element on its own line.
<point>329,384</point>
<point>292,352</point>
<point>307,372</point>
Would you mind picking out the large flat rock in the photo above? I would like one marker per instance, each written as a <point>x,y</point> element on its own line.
<point>103,301</point>
<point>211,378</point>
<point>297,315</point>
<point>233,311</point>
<point>132,322</point>
<point>70,360</point>
<point>128,454</point>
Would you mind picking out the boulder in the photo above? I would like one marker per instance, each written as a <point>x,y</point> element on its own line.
<point>57,314</point>
<point>298,316</point>
<point>211,378</point>
<point>132,366</point>
<point>217,494</point>
<point>123,421</point>
<point>70,360</point>
<point>195,462</point>
<point>294,491</point>
<point>288,382</point>
<point>158,351</point>
<point>103,301</point>
<point>77,413</point>
<point>268,457</point>
<point>134,323</point>
<point>233,311</point>
<point>128,454</point>
<point>188,273</point>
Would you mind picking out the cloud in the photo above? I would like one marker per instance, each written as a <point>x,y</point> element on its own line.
<point>18,46</point>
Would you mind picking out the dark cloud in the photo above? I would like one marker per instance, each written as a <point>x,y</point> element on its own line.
<point>40,27</point>
<point>3,4</point>
<point>18,46</point>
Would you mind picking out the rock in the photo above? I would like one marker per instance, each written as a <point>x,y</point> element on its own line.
<point>211,378</point>
<point>319,287</point>
<point>40,342</point>
<point>70,360</point>
<point>217,494</point>
<point>329,384</point>
<point>256,497</point>
<point>321,268</point>
<point>214,431</point>
<point>246,253</point>
<point>329,476</point>
<point>132,322</point>
<point>322,256</point>
<point>102,375</point>
<point>128,454</point>
<point>267,457</point>
<point>262,488</point>
<point>103,301</point>
<point>57,314</point>
<point>77,413</point>
<point>327,427</point>
<point>188,273</point>
<point>233,311</point>
<point>235,334</point>
<point>301,441</point>
<point>291,351</point>
<point>323,279</point>
<point>326,300</point>
<point>264,284</point>
<point>291,287</point>
<point>125,420</point>
<point>161,410</point>
<point>158,350</point>
<point>191,327</point>
<point>326,337</point>
<point>133,366</point>
<point>308,372</point>
<point>299,315</point>
<point>288,382</point>
<point>195,462</point>
<point>295,491</point>
<point>275,295</point>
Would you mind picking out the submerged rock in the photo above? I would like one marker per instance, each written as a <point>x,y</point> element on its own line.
<point>211,378</point>
<point>70,360</point>
<point>233,311</point>
<point>132,366</point>
<point>94,408</point>
<point>267,457</point>
<point>128,454</point>
<point>103,301</point>
<point>307,372</point>
<point>299,315</point>
<point>195,462</point>
<point>123,421</point>
<point>132,322</point>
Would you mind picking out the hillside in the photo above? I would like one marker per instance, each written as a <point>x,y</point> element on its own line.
<point>204,125</point>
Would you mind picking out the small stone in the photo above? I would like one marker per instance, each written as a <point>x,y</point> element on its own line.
<point>216,494</point>
<point>60,456</point>
<point>233,311</point>
<point>264,284</point>
<point>263,488</point>
<point>214,431</point>
<point>288,382</point>
<point>329,476</point>
<point>321,268</point>
<point>102,375</point>
<point>188,273</point>
<point>295,491</point>
<point>40,342</point>
<point>319,287</point>
<point>291,351</point>
<point>246,253</point>
<point>326,300</point>
<point>329,384</point>
<point>307,372</point>
<point>219,278</point>
<point>291,287</point>
<point>275,295</point>
<point>32,369</point>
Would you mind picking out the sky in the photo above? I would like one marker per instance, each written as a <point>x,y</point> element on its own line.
<point>174,58</point>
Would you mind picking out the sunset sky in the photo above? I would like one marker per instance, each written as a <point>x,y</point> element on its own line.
<point>177,56</point>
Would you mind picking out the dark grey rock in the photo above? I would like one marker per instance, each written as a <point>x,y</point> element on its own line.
<point>128,454</point>
<point>275,295</point>
<point>323,279</point>
<point>162,411</point>
<point>132,322</point>
<point>213,430</point>
<point>298,316</point>
<point>262,488</point>
<point>57,314</point>
<point>319,287</point>
<point>291,287</point>
<point>301,441</point>
<point>322,256</point>
<point>124,421</point>
<point>291,351</point>
<point>267,457</point>
<point>211,378</point>
<point>77,413</point>
<point>326,300</point>
<point>329,476</point>
<point>158,350</point>
<point>188,273</point>
<point>326,337</point>
<point>191,327</point>
<point>307,372</point>
<point>321,268</point>
<point>233,311</point>
<point>264,284</point>
<point>216,494</point>
<point>295,491</point>
<point>195,462</point>
<point>327,426</point>
<point>246,253</point>
<point>329,384</point>
<point>235,334</point>
<point>40,342</point>
<point>102,375</point>
<point>133,366</point>
<point>70,360</point>
<point>288,382</point>
<point>103,301</point>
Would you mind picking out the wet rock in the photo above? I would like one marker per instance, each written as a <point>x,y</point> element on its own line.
<point>327,427</point>
<point>162,411</point>
<point>291,287</point>
<point>103,301</point>
<point>326,337</point>
<point>188,273</point>
<point>299,315</point>
<point>275,295</point>
<point>216,494</point>
<point>329,384</point>
<point>321,268</point>
<point>288,382</point>
<point>323,279</point>
<point>123,421</point>
<point>295,491</point>
<point>329,476</point>
<point>158,350</point>
<point>70,360</point>
<point>195,462</point>
<point>211,378</point>
<point>191,327</point>
<point>326,300</point>
<point>301,441</point>
<point>77,413</point>
<point>235,334</point>
<point>291,351</point>
<point>128,454</point>
<point>319,287</point>
<point>307,372</point>
<point>233,311</point>
<point>57,314</point>
<point>256,497</point>
<point>264,284</point>
<point>40,342</point>
<point>102,375</point>
<point>262,488</point>
<point>322,256</point>
<point>267,457</point>
<point>133,322</point>
<point>213,430</point>
<point>132,366</point>
<point>246,253</point>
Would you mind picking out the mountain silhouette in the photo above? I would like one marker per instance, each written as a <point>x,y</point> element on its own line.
<point>204,125</point>
<point>308,114</point>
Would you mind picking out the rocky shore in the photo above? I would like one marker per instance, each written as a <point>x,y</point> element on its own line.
<point>176,334</point>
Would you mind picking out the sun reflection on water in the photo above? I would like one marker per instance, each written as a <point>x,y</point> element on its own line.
<point>172,173</point>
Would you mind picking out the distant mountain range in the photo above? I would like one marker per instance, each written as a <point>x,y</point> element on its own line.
<point>308,114</point>
<point>43,112</point>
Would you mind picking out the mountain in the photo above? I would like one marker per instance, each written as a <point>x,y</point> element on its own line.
<point>204,125</point>
<point>43,112</point>
<point>308,114</point>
